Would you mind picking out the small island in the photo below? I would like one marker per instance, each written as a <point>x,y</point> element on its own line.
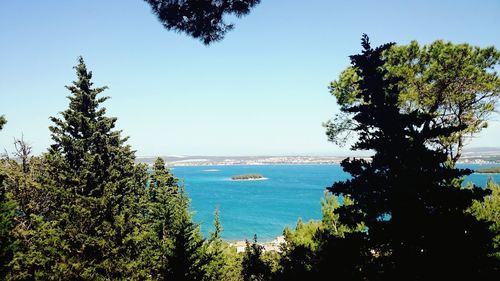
<point>490,170</point>
<point>248,177</point>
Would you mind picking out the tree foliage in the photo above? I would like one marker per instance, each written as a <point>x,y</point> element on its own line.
<point>85,211</point>
<point>489,209</point>
<point>407,196</point>
<point>216,267</point>
<point>314,248</point>
<point>201,19</point>
<point>181,253</point>
<point>254,267</point>
<point>3,121</point>
<point>8,242</point>
<point>88,231</point>
<point>455,83</point>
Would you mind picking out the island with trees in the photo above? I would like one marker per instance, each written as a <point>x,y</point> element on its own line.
<point>248,177</point>
<point>489,170</point>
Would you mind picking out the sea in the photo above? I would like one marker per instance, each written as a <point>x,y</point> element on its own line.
<point>265,207</point>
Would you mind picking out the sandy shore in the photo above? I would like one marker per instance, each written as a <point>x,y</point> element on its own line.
<point>273,245</point>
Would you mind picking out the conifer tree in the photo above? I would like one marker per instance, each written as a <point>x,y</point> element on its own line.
<point>204,20</point>
<point>457,83</point>
<point>187,257</point>
<point>254,267</point>
<point>96,186</point>
<point>217,265</point>
<point>24,175</point>
<point>489,209</point>
<point>3,121</point>
<point>408,196</point>
<point>162,193</point>
<point>8,242</point>
<point>182,251</point>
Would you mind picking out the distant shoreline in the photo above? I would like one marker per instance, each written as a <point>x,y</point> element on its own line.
<point>207,161</point>
<point>272,245</point>
<point>292,164</point>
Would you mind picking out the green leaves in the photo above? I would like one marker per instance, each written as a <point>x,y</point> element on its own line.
<point>488,209</point>
<point>98,185</point>
<point>407,205</point>
<point>456,83</point>
<point>204,20</point>
<point>3,121</point>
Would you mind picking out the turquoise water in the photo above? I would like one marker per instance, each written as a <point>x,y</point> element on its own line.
<point>265,207</point>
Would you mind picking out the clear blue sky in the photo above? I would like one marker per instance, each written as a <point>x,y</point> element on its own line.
<point>260,91</point>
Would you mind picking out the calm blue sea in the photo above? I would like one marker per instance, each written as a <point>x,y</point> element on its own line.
<point>265,207</point>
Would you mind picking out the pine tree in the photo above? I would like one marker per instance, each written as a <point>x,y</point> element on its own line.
<point>7,239</point>
<point>204,20</point>
<point>216,248</point>
<point>254,267</point>
<point>3,121</point>
<point>489,209</point>
<point>97,188</point>
<point>162,193</point>
<point>8,242</point>
<point>182,251</point>
<point>408,196</point>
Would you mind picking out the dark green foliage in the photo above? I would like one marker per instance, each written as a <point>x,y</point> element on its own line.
<point>24,176</point>
<point>187,257</point>
<point>3,121</point>
<point>6,220</point>
<point>310,250</point>
<point>489,209</point>
<point>456,83</point>
<point>203,20</point>
<point>247,177</point>
<point>299,252</point>
<point>96,190</point>
<point>181,248</point>
<point>254,267</point>
<point>8,243</point>
<point>216,267</point>
<point>407,196</point>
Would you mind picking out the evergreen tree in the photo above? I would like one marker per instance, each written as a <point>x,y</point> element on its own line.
<point>7,239</point>
<point>96,190</point>
<point>204,20</point>
<point>408,196</point>
<point>24,182</point>
<point>489,209</point>
<point>182,251</point>
<point>8,242</point>
<point>217,261</point>
<point>254,267</point>
<point>3,121</point>
<point>186,258</point>
<point>298,253</point>
<point>456,83</point>
<point>311,249</point>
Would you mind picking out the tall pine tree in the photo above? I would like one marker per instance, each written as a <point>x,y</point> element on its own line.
<point>408,196</point>
<point>98,188</point>
<point>181,253</point>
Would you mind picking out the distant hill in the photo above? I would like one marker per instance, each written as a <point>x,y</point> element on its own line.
<point>241,160</point>
<point>470,155</point>
<point>481,155</point>
<point>482,150</point>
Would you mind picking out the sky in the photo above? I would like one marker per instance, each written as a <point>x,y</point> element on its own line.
<point>263,90</point>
